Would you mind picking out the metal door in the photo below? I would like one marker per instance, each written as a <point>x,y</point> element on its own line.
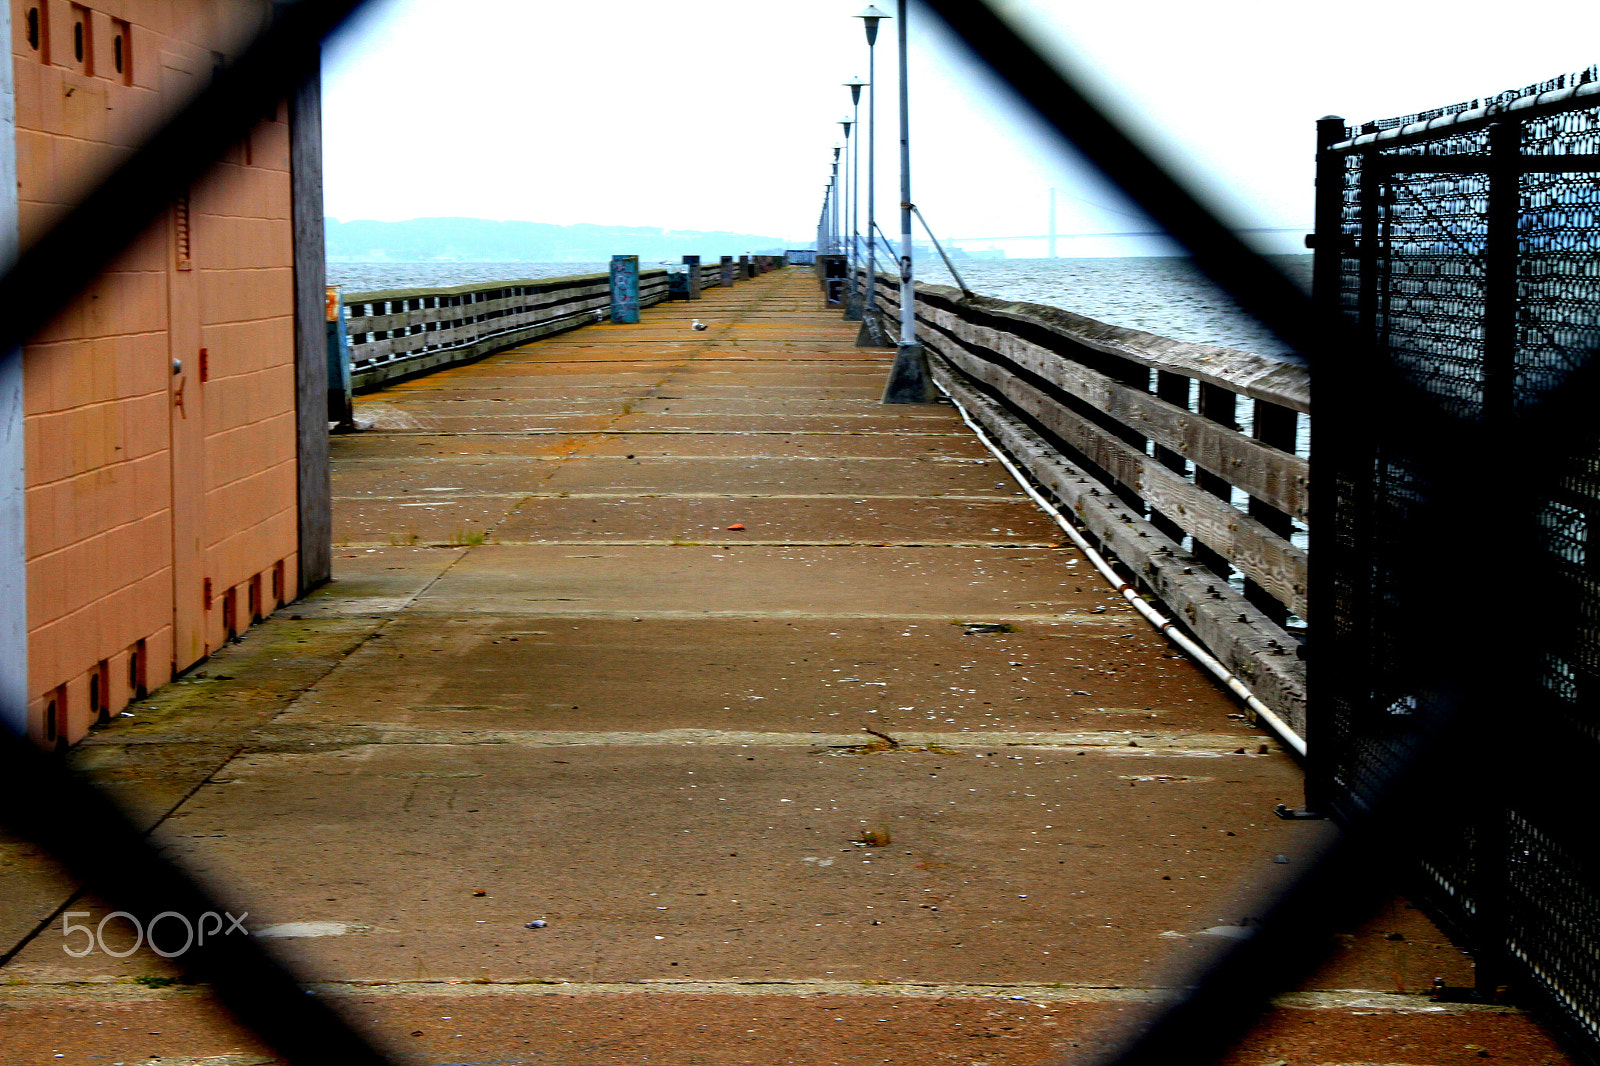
<point>190,595</point>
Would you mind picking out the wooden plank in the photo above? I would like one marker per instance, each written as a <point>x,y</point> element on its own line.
<point>1257,376</point>
<point>1266,558</point>
<point>1269,560</point>
<point>471,336</point>
<point>1243,639</point>
<point>1267,473</point>
<point>375,374</point>
<point>314,509</point>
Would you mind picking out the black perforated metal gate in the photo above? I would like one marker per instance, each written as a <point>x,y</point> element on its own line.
<point>1459,549</point>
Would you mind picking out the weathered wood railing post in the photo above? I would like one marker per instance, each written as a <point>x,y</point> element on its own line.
<point>1221,407</point>
<point>693,279</point>
<point>727,270</point>
<point>1173,388</point>
<point>624,288</point>
<point>1137,377</point>
<point>1278,427</point>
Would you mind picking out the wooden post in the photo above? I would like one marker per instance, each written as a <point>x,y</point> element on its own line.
<point>727,270</point>
<point>1134,375</point>
<point>1173,388</point>
<point>310,337</point>
<point>1277,426</point>
<point>693,263</point>
<point>1221,406</point>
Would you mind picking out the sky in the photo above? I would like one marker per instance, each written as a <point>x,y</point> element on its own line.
<point>721,116</point>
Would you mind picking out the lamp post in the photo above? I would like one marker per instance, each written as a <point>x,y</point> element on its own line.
<point>827,219</point>
<point>869,336</point>
<point>822,223</point>
<point>909,380</point>
<point>837,210</point>
<point>853,310</point>
<point>838,200</point>
<point>823,234</point>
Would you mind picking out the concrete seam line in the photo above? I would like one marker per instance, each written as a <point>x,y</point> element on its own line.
<point>1155,618</point>
<point>1067,995</point>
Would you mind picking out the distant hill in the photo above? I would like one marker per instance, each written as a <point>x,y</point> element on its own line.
<point>488,241</point>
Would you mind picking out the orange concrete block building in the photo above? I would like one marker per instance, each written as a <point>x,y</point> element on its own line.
<point>162,454</point>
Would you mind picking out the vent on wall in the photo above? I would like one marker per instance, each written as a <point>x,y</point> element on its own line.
<point>136,671</point>
<point>37,37</point>
<point>122,50</point>
<point>99,692</point>
<point>82,43</point>
<point>55,718</point>
<point>180,231</point>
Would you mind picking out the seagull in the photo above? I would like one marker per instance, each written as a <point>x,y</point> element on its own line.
<point>698,324</point>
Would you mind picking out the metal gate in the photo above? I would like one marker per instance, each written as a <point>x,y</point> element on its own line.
<point>1458,556</point>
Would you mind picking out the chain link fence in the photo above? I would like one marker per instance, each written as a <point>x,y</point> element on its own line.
<point>1464,242</point>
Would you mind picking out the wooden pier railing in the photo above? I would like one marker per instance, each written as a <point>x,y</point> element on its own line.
<point>401,332</point>
<point>1139,437</point>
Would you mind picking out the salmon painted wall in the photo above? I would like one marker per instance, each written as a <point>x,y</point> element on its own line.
<point>160,419</point>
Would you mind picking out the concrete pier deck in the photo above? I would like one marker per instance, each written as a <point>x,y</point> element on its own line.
<point>621,622</point>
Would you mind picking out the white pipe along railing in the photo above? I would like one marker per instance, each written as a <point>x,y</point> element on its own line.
<point>1163,624</point>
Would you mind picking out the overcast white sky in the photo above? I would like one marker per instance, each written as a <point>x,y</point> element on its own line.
<point>720,116</point>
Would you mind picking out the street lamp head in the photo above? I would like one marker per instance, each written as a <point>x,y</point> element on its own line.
<point>854,85</point>
<point>836,150</point>
<point>847,123</point>
<point>871,16</point>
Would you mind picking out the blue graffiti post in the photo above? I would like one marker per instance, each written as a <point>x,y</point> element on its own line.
<point>624,288</point>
